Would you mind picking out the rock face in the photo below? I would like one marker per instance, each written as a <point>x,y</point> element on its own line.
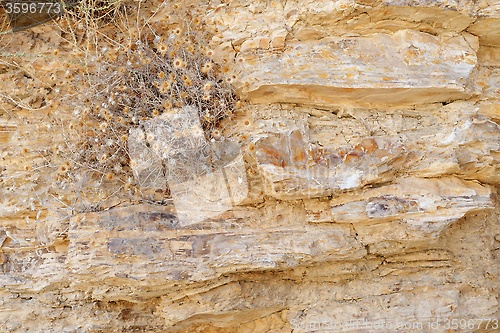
<point>355,188</point>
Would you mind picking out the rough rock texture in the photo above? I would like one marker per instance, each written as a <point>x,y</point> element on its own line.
<point>364,189</point>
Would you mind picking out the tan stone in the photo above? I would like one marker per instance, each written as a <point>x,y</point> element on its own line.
<point>419,68</point>
<point>366,194</point>
<point>304,160</point>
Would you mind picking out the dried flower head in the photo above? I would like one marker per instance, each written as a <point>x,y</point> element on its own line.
<point>178,63</point>
<point>63,168</point>
<point>216,133</point>
<point>206,67</point>
<point>162,48</point>
<point>177,31</point>
<point>247,122</point>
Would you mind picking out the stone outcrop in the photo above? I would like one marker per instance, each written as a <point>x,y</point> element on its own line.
<point>356,182</point>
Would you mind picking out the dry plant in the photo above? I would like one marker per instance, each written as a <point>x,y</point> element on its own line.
<point>134,70</point>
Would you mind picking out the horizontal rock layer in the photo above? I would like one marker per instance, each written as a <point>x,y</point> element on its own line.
<point>325,153</point>
<point>146,246</point>
<point>412,67</point>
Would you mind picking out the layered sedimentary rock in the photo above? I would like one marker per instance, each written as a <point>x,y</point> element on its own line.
<point>355,184</point>
<point>308,159</point>
<point>409,65</point>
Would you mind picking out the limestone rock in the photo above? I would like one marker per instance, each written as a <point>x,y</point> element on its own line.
<point>143,247</point>
<point>413,67</point>
<point>368,147</point>
<point>355,183</point>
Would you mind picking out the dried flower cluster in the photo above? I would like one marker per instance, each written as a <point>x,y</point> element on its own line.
<point>136,78</point>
